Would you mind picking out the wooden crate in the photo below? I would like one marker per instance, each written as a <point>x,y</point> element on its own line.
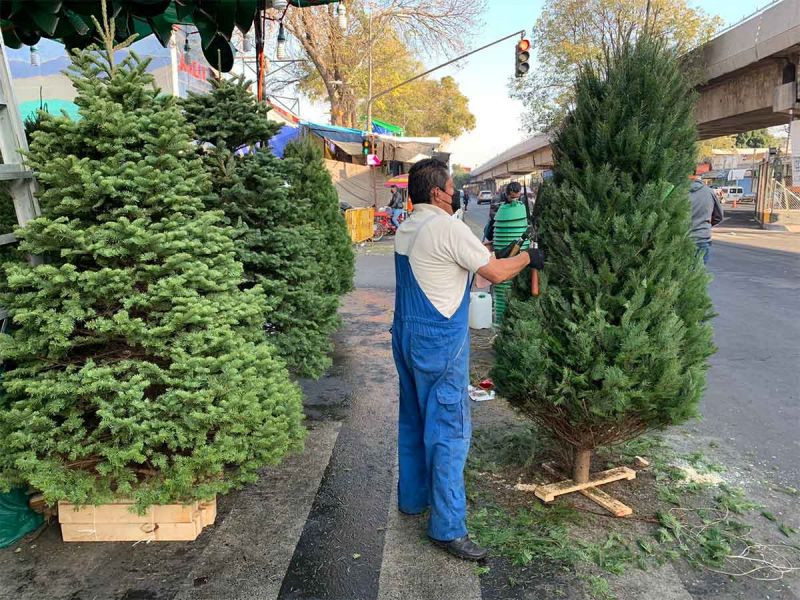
<point>117,523</point>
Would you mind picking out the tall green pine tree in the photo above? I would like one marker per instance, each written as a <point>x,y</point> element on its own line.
<point>138,368</point>
<point>309,178</point>
<point>277,238</point>
<point>618,342</point>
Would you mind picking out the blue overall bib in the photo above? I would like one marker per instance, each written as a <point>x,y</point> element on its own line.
<point>431,353</point>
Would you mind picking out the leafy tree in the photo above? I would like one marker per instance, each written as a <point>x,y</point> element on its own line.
<point>137,367</point>
<point>277,235</point>
<point>397,36</point>
<point>460,176</point>
<point>705,148</point>
<point>310,181</point>
<point>759,138</point>
<point>618,341</point>
<point>569,33</point>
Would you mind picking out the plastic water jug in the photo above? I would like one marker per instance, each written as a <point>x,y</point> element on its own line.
<point>480,310</point>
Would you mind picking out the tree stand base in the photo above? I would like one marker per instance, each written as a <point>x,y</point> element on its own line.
<point>548,493</point>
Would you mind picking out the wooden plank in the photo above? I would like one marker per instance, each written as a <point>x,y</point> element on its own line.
<point>208,512</point>
<point>121,512</point>
<point>131,532</point>
<point>7,238</point>
<point>611,504</point>
<point>11,171</point>
<point>548,493</point>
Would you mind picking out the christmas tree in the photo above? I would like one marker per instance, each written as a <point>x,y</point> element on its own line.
<point>309,178</point>
<point>137,368</point>
<point>617,344</point>
<point>277,238</point>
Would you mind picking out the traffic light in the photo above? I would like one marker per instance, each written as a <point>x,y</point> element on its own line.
<point>523,54</point>
<point>365,146</point>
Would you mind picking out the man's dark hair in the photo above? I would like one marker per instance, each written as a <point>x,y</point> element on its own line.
<point>514,188</point>
<point>394,187</point>
<point>423,177</point>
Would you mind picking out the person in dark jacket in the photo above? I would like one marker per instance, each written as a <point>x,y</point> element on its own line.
<point>706,212</point>
<point>397,205</point>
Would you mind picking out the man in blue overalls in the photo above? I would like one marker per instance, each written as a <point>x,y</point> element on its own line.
<point>435,256</point>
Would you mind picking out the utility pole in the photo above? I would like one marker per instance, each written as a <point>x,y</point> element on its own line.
<point>369,76</point>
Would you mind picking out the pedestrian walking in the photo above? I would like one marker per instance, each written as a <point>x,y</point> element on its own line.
<point>435,257</point>
<point>397,205</point>
<point>706,213</point>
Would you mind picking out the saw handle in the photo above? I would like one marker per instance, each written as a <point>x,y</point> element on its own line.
<point>534,282</point>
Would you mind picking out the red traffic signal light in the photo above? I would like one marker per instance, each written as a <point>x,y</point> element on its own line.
<point>523,55</point>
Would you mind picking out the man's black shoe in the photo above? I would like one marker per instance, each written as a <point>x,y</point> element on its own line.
<point>463,547</point>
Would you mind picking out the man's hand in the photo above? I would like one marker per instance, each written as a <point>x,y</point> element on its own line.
<point>537,258</point>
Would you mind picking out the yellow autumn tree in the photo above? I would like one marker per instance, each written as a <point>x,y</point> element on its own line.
<point>569,33</point>
<point>337,65</point>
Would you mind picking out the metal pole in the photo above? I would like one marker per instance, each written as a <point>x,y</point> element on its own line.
<point>369,77</point>
<point>259,31</point>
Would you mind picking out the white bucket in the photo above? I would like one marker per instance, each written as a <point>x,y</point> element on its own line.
<point>480,310</point>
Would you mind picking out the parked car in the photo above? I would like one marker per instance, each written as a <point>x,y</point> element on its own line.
<point>485,196</point>
<point>731,194</point>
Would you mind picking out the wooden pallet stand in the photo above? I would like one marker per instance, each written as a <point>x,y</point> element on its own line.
<point>548,493</point>
<point>117,523</point>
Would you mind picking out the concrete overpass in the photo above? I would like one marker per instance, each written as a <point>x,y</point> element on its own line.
<point>529,156</point>
<point>751,73</point>
<point>750,83</point>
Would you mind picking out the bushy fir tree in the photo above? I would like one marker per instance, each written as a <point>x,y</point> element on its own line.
<point>618,342</point>
<point>277,237</point>
<point>138,368</point>
<point>308,178</point>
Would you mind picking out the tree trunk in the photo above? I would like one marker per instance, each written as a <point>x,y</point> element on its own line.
<point>342,111</point>
<point>581,466</point>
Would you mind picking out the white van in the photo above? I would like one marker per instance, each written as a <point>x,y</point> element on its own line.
<point>731,194</point>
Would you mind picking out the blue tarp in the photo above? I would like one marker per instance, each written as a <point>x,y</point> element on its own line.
<point>278,142</point>
<point>334,133</point>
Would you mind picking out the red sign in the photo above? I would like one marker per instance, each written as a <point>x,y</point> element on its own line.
<point>193,68</point>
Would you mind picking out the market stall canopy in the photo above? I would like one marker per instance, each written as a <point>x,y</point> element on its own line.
<point>400,181</point>
<point>387,147</point>
<point>385,128</point>
<point>25,22</point>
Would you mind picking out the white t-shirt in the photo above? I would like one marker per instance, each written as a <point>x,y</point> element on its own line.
<point>444,254</point>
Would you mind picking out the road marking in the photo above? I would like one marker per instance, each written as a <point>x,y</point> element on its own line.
<point>414,569</point>
<point>270,515</point>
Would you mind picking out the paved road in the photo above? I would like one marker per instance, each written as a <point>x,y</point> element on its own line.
<point>753,400</point>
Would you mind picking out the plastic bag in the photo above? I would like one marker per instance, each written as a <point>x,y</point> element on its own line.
<point>16,517</point>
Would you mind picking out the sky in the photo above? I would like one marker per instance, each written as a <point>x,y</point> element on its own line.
<point>484,77</point>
